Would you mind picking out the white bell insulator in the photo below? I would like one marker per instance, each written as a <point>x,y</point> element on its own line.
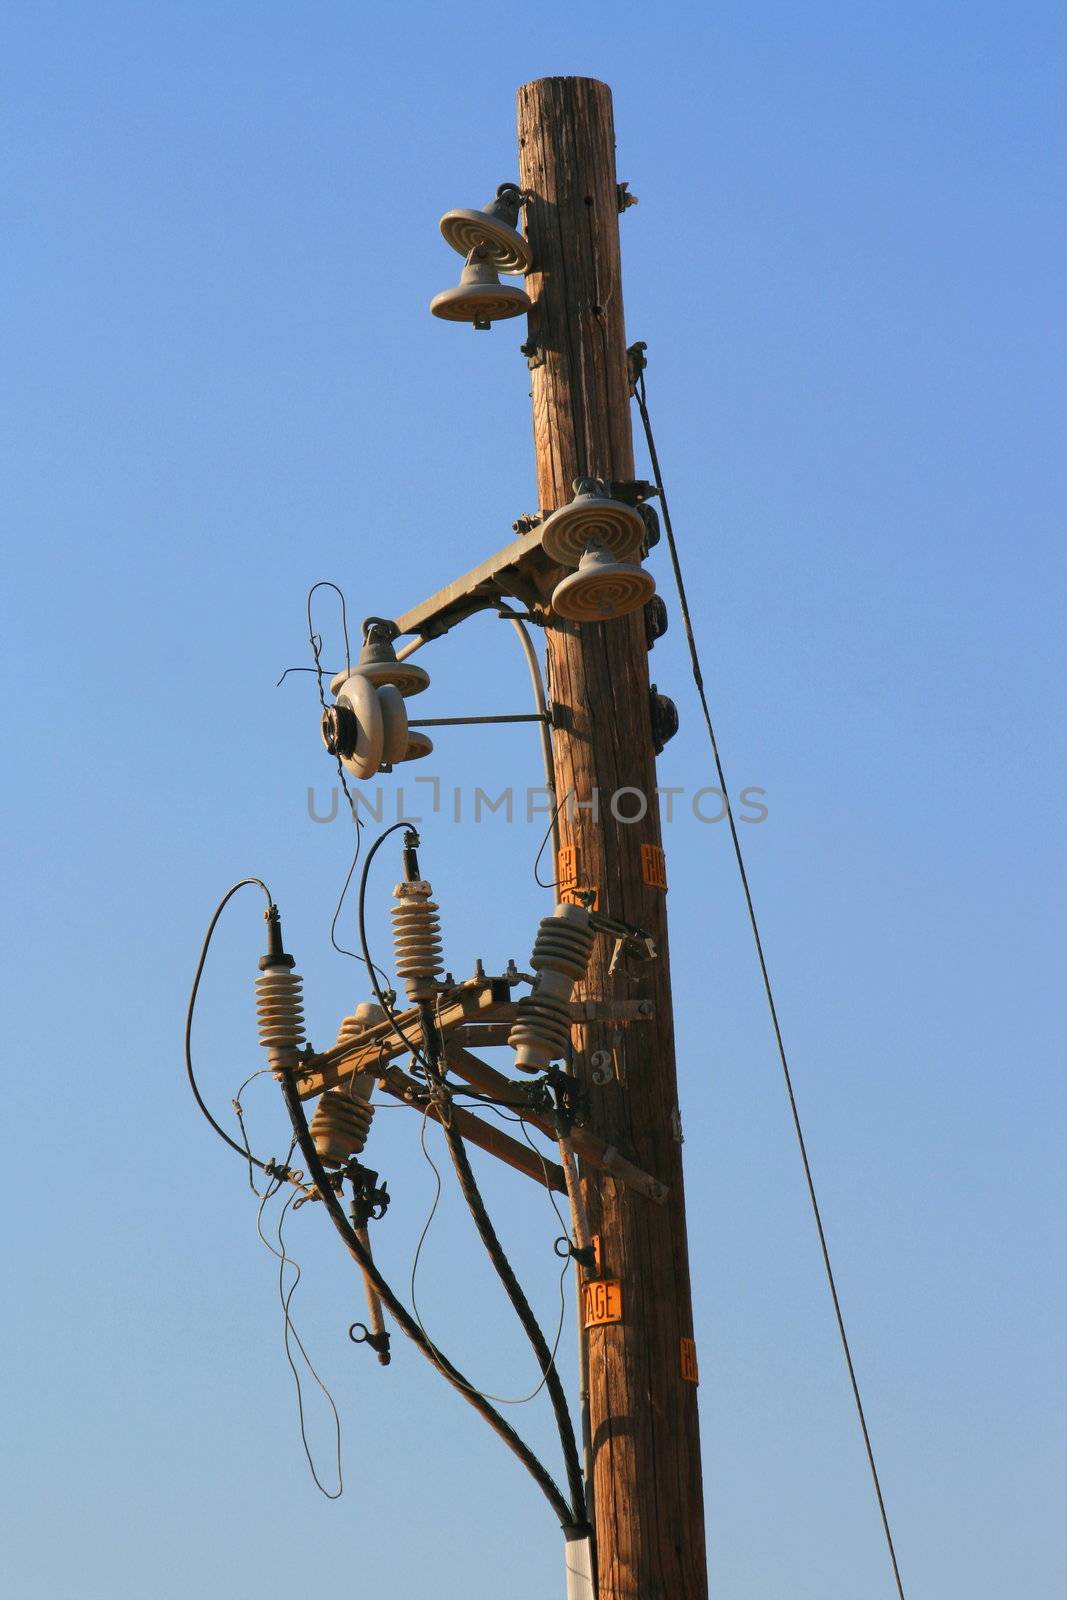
<point>419,745</point>
<point>592,517</point>
<point>602,588</point>
<point>492,230</point>
<point>354,728</point>
<point>417,939</point>
<point>480,297</point>
<point>378,662</point>
<point>280,1014</point>
<point>394,725</point>
<point>541,1033</point>
<point>340,1126</point>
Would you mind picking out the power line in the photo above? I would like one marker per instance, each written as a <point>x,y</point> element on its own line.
<point>638,386</point>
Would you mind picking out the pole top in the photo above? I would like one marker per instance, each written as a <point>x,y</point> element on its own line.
<point>538,83</point>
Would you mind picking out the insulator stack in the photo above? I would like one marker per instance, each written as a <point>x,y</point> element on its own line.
<point>541,1032</point>
<point>280,1009</point>
<point>340,1126</point>
<point>417,939</point>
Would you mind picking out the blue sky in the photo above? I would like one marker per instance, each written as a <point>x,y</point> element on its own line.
<point>222,383</point>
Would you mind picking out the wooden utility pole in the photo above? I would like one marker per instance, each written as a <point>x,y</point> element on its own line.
<point>648,1506</point>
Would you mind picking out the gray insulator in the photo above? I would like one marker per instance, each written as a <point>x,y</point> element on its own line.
<point>340,1126</point>
<point>417,940</point>
<point>280,1011</point>
<point>541,1032</point>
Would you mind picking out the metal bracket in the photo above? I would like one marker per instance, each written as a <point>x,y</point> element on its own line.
<point>370,1200</point>
<point>460,722</point>
<point>611,1010</point>
<point>631,491</point>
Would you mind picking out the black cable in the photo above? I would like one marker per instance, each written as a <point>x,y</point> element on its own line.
<point>698,678</point>
<point>343,950</point>
<point>239,1112</point>
<point>523,1310</point>
<point>548,834</point>
<point>402,1316</point>
<point>428,1058</point>
<point>498,1399</point>
<point>244,1152</point>
<point>372,967</point>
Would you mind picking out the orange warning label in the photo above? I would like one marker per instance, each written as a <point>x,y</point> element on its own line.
<point>571,891</point>
<point>689,1361</point>
<point>603,1302</point>
<point>653,866</point>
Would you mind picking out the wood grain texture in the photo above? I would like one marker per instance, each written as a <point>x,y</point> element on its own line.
<point>646,1479</point>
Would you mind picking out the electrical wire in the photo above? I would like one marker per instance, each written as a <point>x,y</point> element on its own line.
<point>321,673</point>
<point>244,1152</point>
<point>498,1399</point>
<point>325,583</point>
<point>468,1184</point>
<point>240,1115</point>
<point>285,1298</point>
<point>550,832</point>
<point>471,1193</point>
<point>372,967</point>
<point>342,949</point>
<point>698,678</point>
<point>403,1318</point>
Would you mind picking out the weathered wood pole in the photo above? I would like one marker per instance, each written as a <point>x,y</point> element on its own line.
<point>648,1507</point>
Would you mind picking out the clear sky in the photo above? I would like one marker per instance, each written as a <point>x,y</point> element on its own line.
<point>221,383</point>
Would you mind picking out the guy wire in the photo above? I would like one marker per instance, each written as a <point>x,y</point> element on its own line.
<point>638,387</point>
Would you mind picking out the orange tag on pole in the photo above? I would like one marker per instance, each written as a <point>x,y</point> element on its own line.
<point>689,1361</point>
<point>603,1302</point>
<point>653,866</point>
<point>571,892</point>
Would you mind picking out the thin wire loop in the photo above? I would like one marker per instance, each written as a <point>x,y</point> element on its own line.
<point>285,1298</point>
<point>243,1151</point>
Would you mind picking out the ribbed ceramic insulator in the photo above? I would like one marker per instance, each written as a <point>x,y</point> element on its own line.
<point>541,1033</point>
<point>340,1126</point>
<point>417,940</point>
<point>280,1009</point>
<point>563,942</point>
